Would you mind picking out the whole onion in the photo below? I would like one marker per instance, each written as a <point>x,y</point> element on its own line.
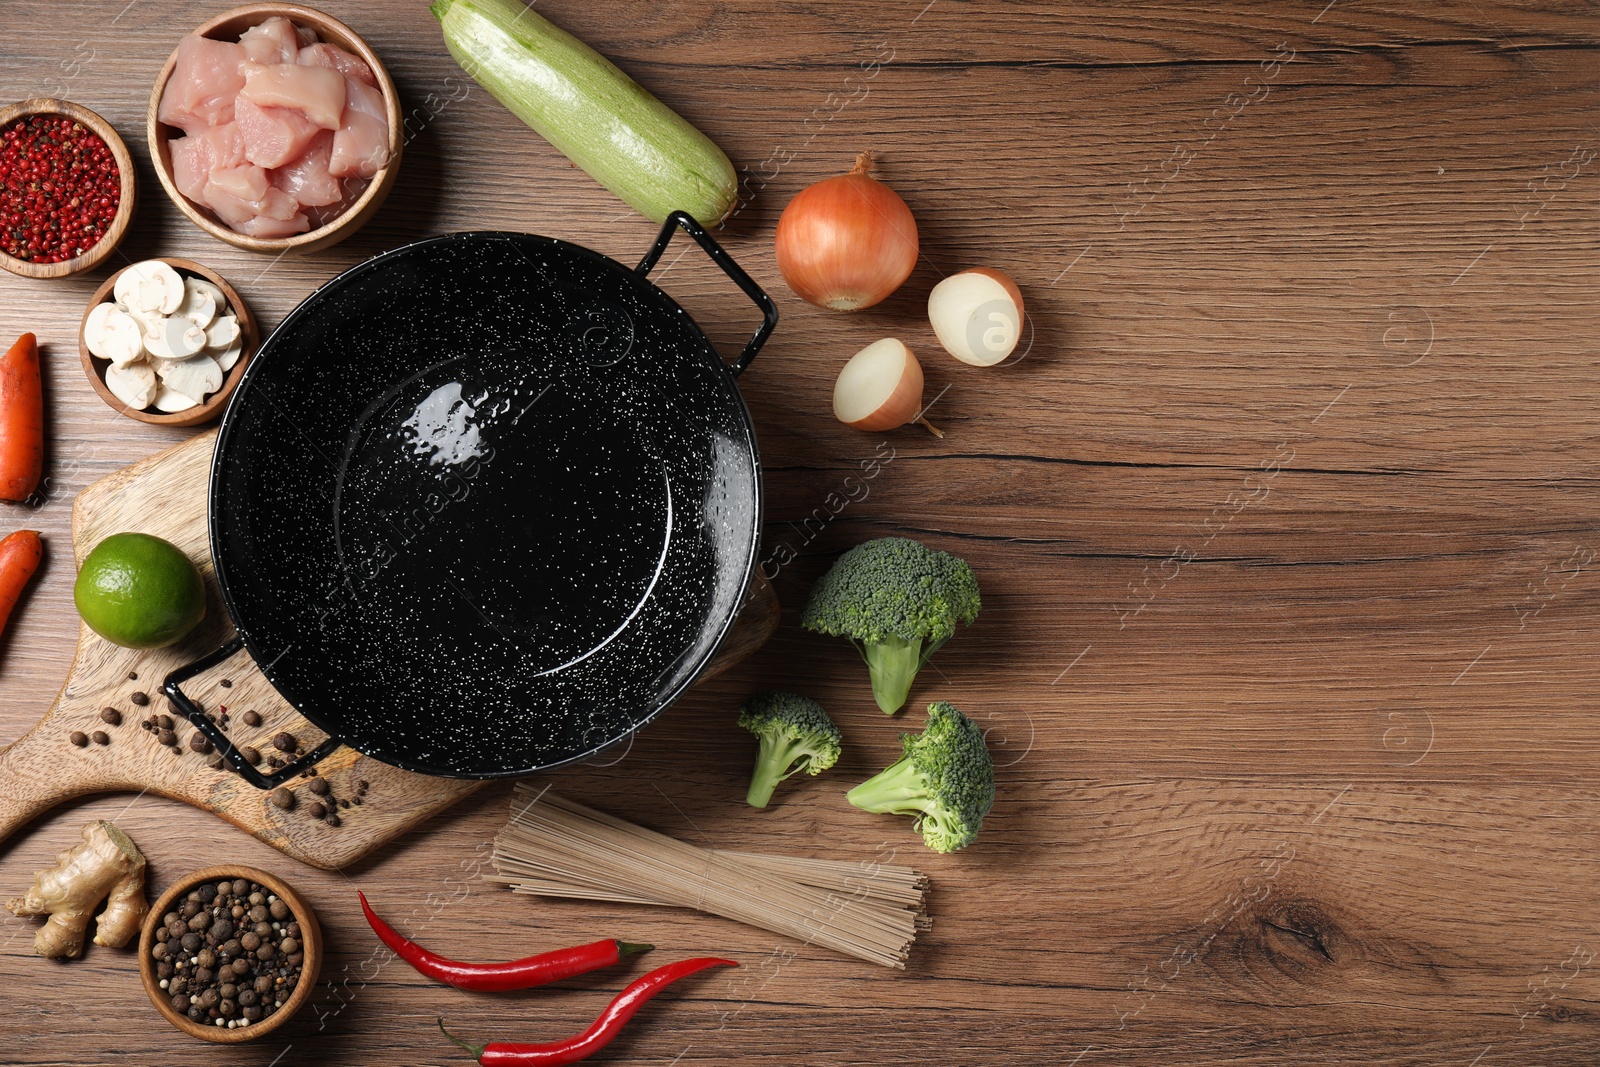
<point>847,242</point>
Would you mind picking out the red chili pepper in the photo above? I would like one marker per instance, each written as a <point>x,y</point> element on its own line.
<point>500,977</point>
<point>599,1033</point>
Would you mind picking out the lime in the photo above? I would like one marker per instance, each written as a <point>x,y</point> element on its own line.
<point>139,591</point>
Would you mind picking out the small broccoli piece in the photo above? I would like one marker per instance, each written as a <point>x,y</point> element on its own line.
<point>897,601</point>
<point>795,734</point>
<point>945,779</point>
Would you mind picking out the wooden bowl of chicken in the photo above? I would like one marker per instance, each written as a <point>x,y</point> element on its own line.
<point>276,129</point>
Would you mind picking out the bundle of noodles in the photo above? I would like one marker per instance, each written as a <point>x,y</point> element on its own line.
<point>556,847</point>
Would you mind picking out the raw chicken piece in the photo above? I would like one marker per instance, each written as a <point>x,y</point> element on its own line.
<point>197,156</point>
<point>273,41</point>
<point>305,35</point>
<point>191,165</point>
<point>274,210</point>
<point>273,135</point>
<point>205,79</point>
<point>264,226</point>
<point>361,146</point>
<point>247,182</point>
<point>279,205</point>
<point>316,92</point>
<point>307,178</point>
<point>352,188</point>
<point>336,58</point>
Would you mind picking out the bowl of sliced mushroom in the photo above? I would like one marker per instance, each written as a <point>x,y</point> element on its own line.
<point>166,341</point>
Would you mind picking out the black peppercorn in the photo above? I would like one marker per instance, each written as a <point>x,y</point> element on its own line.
<point>140,699</point>
<point>111,716</point>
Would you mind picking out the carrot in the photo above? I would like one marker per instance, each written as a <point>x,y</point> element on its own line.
<point>19,558</point>
<point>21,421</point>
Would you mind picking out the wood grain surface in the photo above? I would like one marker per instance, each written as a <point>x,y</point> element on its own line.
<point>1286,524</point>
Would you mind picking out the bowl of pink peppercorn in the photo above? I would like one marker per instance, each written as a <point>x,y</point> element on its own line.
<point>66,188</point>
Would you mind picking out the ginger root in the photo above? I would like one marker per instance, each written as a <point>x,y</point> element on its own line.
<point>107,866</point>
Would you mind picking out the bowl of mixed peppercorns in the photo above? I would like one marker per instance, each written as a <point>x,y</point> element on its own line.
<point>229,954</point>
<point>66,188</point>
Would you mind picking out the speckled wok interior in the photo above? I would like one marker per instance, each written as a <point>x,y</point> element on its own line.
<point>485,504</point>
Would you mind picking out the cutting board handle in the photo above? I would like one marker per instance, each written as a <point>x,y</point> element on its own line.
<point>36,774</point>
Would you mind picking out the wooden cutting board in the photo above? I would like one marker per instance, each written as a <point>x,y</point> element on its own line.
<point>165,495</point>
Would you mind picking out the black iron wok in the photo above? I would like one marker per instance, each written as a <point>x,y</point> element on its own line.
<point>484,505</point>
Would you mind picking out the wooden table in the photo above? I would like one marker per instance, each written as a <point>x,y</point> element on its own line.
<point>1286,525</point>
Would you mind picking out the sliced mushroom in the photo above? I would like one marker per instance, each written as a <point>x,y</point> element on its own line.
<point>228,356</point>
<point>195,378</point>
<point>171,401</point>
<point>150,286</point>
<point>199,305</point>
<point>223,332</point>
<point>184,338</point>
<point>135,385</point>
<point>112,334</point>
<point>203,286</point>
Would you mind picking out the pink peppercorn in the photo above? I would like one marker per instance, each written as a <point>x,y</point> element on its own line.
<point>59,188</point>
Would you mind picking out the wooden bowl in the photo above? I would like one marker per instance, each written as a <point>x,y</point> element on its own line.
<point>228,26</point>
<point>212,406</point>
<point>125,206</point>
<point>310,937</point>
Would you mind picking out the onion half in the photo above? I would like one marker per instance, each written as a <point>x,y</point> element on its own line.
<point>880,388</point>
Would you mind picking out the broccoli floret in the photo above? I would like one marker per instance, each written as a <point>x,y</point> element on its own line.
<point>795,734</point>
<point>945,779</point>
<point>897,601</point>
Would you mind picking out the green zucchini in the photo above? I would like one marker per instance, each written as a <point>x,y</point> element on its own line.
<point>576,99</point>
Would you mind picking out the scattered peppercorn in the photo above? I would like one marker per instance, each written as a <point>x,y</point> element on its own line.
<point>332,819</point>
<point>199,743</point>
<point>252,718</point>
<point>60,187</point>
<point>226,684</point>
<point>100,737</point>
<point>285,742</point>
<point>344,803</point>
<point>281,798</point>
<point>140,699</point>
<point>317,809</point>
<point>249,755</point>
<point>164,721</point>
<point>319,786</point>
<point>78,738</point>
<point>168,738</point>
<point>111,716</point>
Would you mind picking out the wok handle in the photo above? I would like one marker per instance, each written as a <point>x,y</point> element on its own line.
<point>226,748</point>
<point>769,311</point>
